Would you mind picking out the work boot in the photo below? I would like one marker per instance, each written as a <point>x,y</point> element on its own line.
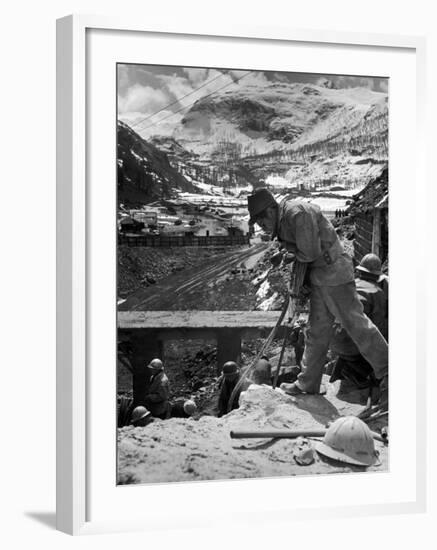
<point>291,389</point>
<point>294,389</point>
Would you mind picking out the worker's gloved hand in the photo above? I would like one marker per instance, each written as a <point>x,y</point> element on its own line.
<point>276,259</point>
<point>288,258</point>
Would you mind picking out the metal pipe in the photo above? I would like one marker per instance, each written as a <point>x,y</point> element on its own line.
<point>288,434</point>
<point>273,434</point>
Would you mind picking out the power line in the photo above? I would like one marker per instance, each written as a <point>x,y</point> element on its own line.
<point>177,100</point>
<point>203,97</point>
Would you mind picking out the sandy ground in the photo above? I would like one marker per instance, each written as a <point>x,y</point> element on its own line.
<point>188,450</point>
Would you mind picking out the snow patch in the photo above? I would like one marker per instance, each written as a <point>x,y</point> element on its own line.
<point>263,290</point>
<point>267,304</point>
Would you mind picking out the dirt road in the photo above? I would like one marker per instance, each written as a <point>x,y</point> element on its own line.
<point>210,286</point>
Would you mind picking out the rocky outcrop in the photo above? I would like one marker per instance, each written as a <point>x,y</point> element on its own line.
<point>144,172</point>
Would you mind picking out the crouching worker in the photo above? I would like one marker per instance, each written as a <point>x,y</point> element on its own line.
<point>351,365</point>
<point>157,397</point>
<point>141,416</point>
<point>230,377</point>
<point>183,408</point>
<point>262,373</point>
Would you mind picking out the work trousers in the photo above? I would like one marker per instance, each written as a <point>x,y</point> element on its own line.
<point>339,303</point>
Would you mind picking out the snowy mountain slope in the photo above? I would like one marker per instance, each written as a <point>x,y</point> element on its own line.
<point>281,116</point>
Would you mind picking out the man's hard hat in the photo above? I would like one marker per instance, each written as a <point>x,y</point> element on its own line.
<point>349,440</point>
<point>190,407</point>
<point>260,199</point>
<point>370,263</point>
<point>139,413</point>
<point>230,367</point>
<point>262,372</point>
<point>156,364</point>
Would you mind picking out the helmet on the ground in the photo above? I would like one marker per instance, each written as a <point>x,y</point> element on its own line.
<point>139,413</point>
<point>370,263</point>
<point>156,364</point>
<point>260,199</point>
<point>349,440</point>
<point>190,407</point>
<point>230,368</point>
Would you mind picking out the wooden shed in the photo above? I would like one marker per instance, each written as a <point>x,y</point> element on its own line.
<point>130,225</point>
<point>369,212</point>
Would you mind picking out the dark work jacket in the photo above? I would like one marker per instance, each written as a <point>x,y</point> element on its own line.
<point>309,235</point>
<point>374,303</point>
<point>157,395</point>
<point>177,409</point>
<point>226,388</point>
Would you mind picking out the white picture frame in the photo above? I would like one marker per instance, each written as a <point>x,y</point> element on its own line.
<point>74,399</point>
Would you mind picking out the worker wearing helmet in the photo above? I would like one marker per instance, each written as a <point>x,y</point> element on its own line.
<point>297,340</point>
<point>309,235</point>
<point>350,363</point>
<point>229,379</point>
<point>183,408</point>
<point>157,397</point>
<point>262,372</point>
<point>141,416</point>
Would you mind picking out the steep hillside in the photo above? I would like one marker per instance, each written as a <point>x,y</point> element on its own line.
<point>144,172</point>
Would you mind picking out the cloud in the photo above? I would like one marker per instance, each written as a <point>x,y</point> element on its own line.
<point>123,78</point>
<point>196,76</point>
<point>281,77</point>
<point>248,77</point>
<point>144,99</point>
<point>162,124</point>
<point>325,82</point>
<point>183,89</point>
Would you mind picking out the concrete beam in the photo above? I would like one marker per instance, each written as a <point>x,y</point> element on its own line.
<point>196,319</point>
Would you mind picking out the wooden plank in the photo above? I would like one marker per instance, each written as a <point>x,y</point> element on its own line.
<point>196,319</point>
<point>376,241</point>
<point>365,246</point>
<point>366,223</point>
<point>364,232</point>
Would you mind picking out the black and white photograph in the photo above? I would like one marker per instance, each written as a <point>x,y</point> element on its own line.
<point>252,274</point>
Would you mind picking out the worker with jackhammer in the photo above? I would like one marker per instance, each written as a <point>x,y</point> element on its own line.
<point>303,230</point>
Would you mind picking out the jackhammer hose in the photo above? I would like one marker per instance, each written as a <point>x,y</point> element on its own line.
<point>266,344</point>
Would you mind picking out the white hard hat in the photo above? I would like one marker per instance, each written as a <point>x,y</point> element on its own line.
<point>189,407</point>
<point>349,440</point>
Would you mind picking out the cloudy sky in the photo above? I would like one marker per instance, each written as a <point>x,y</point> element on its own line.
<point>150,96</point>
